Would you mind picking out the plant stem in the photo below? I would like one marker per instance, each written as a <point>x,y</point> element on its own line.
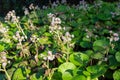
<point>47,63</point>
<point>35,14</point>
<point>22,49</point>
<point>6,73</point>
<point>18,26</point>
<point>36,48</point>
<point>67,52</point>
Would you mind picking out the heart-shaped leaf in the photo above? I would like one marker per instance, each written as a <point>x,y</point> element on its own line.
<point>117,56</point>
<point>116,75</point>
<point>79,58</point>
<point>1,48</point>
<point>96,70</point>
<point>100,45</point>
<point>18,75</point>
<point>66,66</point>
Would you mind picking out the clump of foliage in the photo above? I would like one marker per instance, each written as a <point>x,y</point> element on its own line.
<point>61,42</point>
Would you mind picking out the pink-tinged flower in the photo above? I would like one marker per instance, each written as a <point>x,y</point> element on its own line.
<point>115,34</point>
<point>50,15</point>
<point>26,11</point>
<point>4,64</point>
<point>50,56</point>
<point>31,6</point>
<point>116,38</point>
<point>63,1</point>
<point>110,31</point>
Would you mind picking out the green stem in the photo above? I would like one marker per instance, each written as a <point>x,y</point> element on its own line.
<point>22,48</point>
<point>20,29</point>
<point>67,52</point>
<point>47,63</point>
<point>49,75</point>
<point>67,57</point>
<point>35,14</point>
<point>6,73</point>
<point>36,48</point>
<point>107,51</point>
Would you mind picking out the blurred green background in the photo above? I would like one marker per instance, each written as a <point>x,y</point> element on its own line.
<point>17,5</point>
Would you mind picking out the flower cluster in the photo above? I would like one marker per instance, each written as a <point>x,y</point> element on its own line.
<point>63,1</point>
<point>4,33</point>
<point>55,23</point>
<point>54,4</point>
<point>83,5</point>
<point>54,20</point>
<point>33,38</point>
<point>114,14</point>
<point>11,16</point>
<point>26,11</point>
<point>89,33</point>
<point>24,48</point>
<point>98,3</point>
<point>3,30</point>
<point>18,37</point>
<point>64,41</point>
<point>31,25</point>
<point>114,36</point>
<point>32,7</point>
<point>50,15</point>
<point>3,59</point>
<point>44,7</point>
<point>49,56</point>
<point>67,38</point>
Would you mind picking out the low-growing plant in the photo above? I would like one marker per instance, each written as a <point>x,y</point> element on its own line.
<point>61,42</point>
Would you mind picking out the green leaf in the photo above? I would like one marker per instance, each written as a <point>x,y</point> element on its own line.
<point>96,70</point>
<point>109,74</point>
<point>88,40</point>
<point>100,45</point>
<point>18,74</point>
<point>1,48</point>
<point>108,23</point>
<point>79,59</point>
<point>116,75</point>
<point>67,76</point>
<point>61,59</point>
<point>86,73</point>
<point>89,53</point>
<point>98,56</point>
<point>57,76</point>
<point>92,69</point>
<point>79,77</point>
<point>44,40</point>
<point>66,66</point>
<point>113,62</point>
<point>33,77</point>
<point>85,44</point>
<point>12,24</point>
<point>38,75</point>
<point>78,71</point>
<point>117,56</point>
